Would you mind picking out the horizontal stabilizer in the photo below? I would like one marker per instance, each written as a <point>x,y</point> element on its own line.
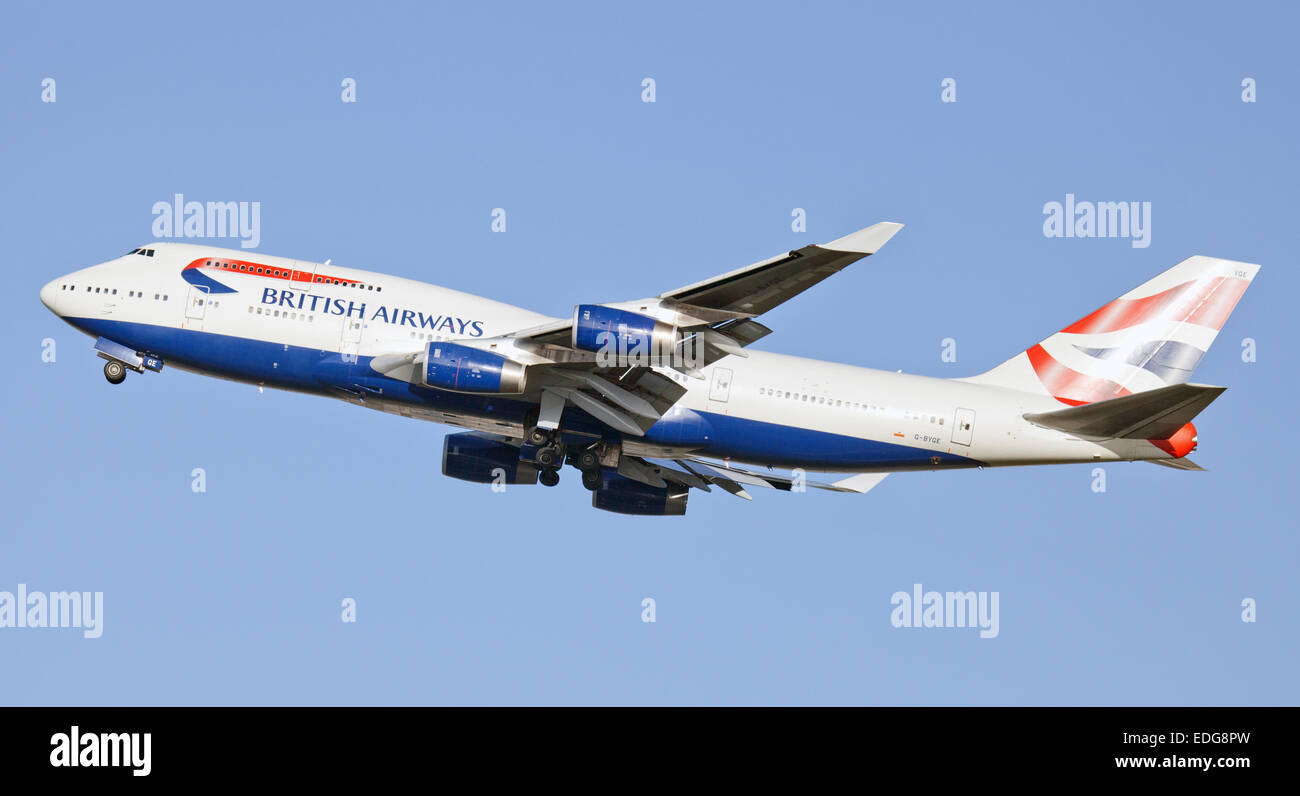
<point>1178,464</point>
<point>723,471</point>
<point>861,483</point>
<point>1154,414</point>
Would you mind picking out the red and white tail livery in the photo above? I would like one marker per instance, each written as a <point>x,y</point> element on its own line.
<point>1150,337</point>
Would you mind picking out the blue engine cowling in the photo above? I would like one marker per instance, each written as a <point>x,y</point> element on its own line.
<point>626,496</point>
<point>474,457</point>
<point>462,368</point>
<point>623,335</point>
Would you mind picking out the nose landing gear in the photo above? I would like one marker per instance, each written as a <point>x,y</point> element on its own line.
<point>114,371</point>
<point>118,358</point>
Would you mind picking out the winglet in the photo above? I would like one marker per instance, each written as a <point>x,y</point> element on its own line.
<point>865,241</point>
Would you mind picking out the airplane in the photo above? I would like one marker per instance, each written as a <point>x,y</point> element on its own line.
<point>652,398</point>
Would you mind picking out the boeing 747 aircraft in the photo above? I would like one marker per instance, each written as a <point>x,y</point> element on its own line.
<point>649,399</point>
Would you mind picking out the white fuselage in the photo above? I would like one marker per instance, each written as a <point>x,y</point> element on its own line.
<point>765,408</point>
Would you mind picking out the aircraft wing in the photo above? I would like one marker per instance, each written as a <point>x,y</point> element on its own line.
<point>749,291</point>
<point>757,288</point>
<point>629,386</point>
<point>711,319</point>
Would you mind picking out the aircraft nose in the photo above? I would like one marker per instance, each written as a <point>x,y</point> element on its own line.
<point>48,294</point>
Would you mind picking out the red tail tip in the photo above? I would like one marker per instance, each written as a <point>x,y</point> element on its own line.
<point>1180,444</point>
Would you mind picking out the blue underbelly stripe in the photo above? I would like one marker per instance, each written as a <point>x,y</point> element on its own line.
<point>324,372</point>
<point>792,446</point>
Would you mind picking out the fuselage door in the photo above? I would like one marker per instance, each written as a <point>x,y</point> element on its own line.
<point>963,426</point>
<point>196,305</point>
<point>720,389</point>
<point>304,276</point>
<point>350,345</point>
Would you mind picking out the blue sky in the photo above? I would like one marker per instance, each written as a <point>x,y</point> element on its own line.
<point>1132,596</point>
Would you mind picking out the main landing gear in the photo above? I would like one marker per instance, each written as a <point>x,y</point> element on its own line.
<point>114,371</point>
<point>588,461</point>
<point>549,455</point>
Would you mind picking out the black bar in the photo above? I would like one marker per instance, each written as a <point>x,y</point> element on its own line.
<point>330,745</point>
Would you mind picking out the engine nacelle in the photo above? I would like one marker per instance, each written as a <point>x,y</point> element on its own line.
<point>626,496</point>
<point>462,368</point>
<point>473,457</point>
<point>625,337</point>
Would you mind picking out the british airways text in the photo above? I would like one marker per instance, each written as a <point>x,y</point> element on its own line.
<point>312,302</point>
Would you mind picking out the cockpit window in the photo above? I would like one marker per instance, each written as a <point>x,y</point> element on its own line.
<point>142,252</point>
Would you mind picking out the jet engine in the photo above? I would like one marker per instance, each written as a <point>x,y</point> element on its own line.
<point>474,457</point>
<point>462,368</point>
<point>623,335</point>
<point>623,495</point>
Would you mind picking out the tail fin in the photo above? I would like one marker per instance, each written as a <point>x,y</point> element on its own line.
<point>1150,337</point>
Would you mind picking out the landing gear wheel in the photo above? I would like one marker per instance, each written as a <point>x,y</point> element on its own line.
<point>115,372</point>
<point>548,457</point>
<point>591,479</point>
<point>588,460</point>
<point>539,436</point>
<point>548,477</point>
